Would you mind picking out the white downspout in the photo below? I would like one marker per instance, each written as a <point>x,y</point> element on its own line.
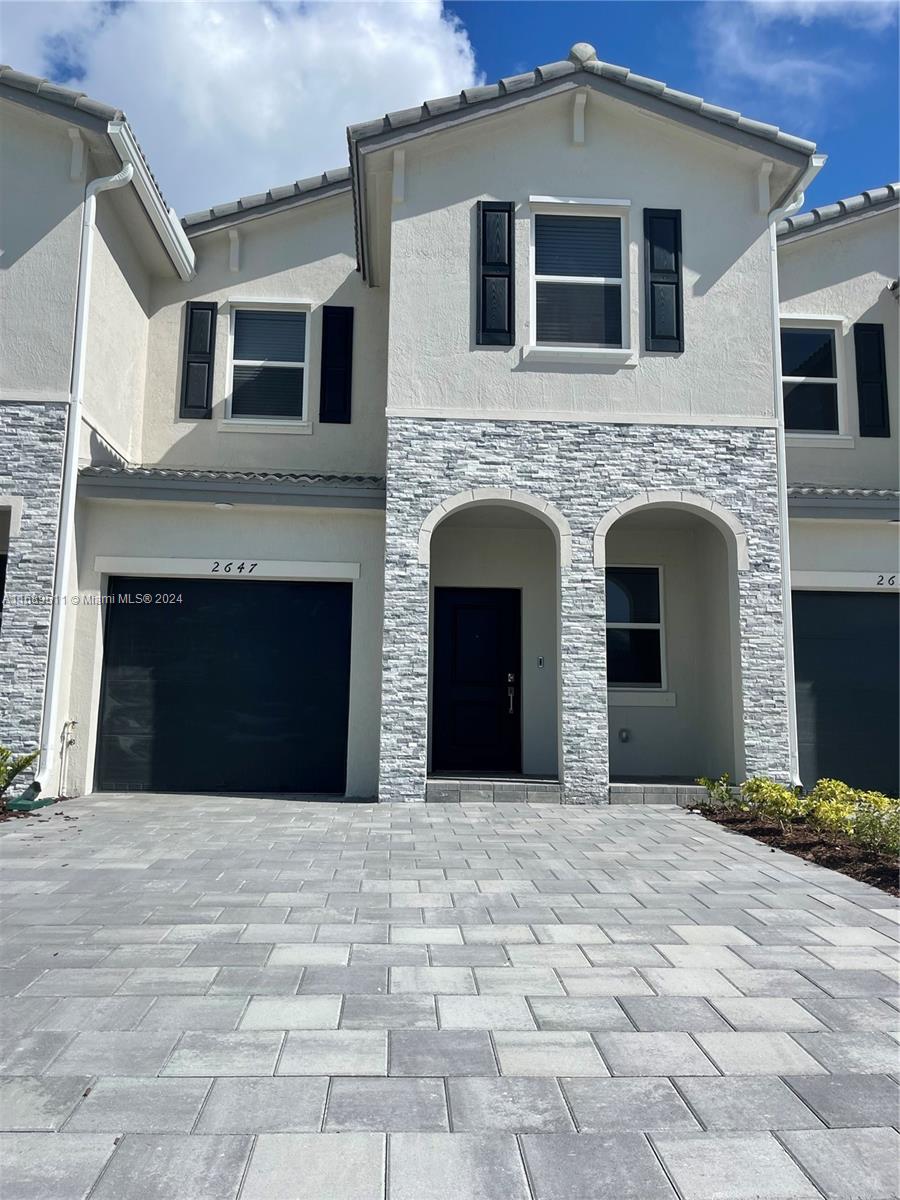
<point>816,163</point>
<point>65,537</point>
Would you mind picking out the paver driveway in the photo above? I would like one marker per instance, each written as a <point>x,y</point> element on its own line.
<point>311,1001</point>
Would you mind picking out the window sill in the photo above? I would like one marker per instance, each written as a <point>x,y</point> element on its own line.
<point>236,425</point>
<point>820,441</point>
<point>588,355</point>
<point>640,698</point>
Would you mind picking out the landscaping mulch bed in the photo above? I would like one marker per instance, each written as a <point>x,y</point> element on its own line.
<point>837,853</point>
<point>44,810</point>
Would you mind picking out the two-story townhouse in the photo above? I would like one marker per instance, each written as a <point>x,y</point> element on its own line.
<point>459,473</point>
<point>838,269</point>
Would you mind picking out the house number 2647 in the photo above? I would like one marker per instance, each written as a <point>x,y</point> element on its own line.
<point>233,568</point>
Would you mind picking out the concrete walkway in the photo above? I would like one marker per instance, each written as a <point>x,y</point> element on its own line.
<point>208,998</point>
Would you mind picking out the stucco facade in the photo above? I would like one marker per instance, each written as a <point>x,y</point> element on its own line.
<point>519,467</point>
<point>435,367</point>
<point>843,275</point>
<point>835,275</point>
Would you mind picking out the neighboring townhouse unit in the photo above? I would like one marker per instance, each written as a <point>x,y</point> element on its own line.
<point>57,149</point>
<point>457,473</point>
<point>838,269</point>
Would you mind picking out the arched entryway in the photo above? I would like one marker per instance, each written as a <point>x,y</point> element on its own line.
<point>673,638</point>
<point>494,565</point>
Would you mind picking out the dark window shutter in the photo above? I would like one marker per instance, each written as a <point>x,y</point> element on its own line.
<point>871,381</point>
<point>198,358</point>
<point>662,280</point>
<point>337,365</point>
<point>495,275</point>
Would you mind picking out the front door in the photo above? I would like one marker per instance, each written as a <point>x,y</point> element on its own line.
<point>476,708</point>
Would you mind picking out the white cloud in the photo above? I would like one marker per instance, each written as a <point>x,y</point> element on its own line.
<point>752,48</point>
<point>874,15</point>
<point>230,98</point>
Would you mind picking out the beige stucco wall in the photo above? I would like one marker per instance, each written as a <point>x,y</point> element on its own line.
<point>522,558</point>
<point>117,328</point>
<point>856,546</point>
<point>174,530</point>
<point>696,735</point>
<point>844,273</point>
<point>40,221</point>
<point>725,372</point>
<point>693,736</point>
<point>303,256</point>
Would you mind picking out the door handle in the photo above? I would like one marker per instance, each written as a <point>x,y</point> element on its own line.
<point>511,691</point>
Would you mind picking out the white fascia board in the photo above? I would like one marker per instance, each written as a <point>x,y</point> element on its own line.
<point>164,220</point>
<point>587,201</point>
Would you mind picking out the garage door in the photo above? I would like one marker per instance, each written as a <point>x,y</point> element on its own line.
<point>243,686</point>
<point>846,656</point>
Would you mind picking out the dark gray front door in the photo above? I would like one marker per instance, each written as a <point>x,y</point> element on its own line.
<point>476,687</point>
<point>242,686</point>
<point>848,699</point>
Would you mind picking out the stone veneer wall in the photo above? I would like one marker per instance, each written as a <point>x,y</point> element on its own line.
<point>584,470</point>
<point>32,439</point>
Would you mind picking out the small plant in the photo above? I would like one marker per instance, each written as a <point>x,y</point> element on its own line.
<point>11,766</point>
<point>775,801</point>
<point>870,819</point>
<point>718,790</point>
<point>877,824</point>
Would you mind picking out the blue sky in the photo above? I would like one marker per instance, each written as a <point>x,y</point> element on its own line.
<point>229,97</point>
<point>829,74</point>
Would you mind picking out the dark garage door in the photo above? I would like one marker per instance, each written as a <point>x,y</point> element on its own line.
<point>846,659</point>
<point>242,687</point>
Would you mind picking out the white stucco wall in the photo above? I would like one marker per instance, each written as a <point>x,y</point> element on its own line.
<point>40,222</point>
<point>725,373</point>
<point>844,273</point>
<point>306,255</point>
<point>522,558</point>
<point>174,530</point>
<point>696,735</point>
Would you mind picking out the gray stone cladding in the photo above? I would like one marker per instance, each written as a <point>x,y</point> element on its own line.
<point>32,438</point>
<point>584,470</point>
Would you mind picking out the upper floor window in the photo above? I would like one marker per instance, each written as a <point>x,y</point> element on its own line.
<point>579,281</point>
<point>634,628</point>
<point>268,365</point>
<point>810,380</point>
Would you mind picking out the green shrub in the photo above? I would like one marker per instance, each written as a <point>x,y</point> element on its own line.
<point>877,826</point>
<point>870,819</point>
<point>718,790</point>
<point>775,801</point>
<point>833,806</point>
<point>11,766</point>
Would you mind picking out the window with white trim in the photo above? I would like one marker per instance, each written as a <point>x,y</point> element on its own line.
<point>634,628</point>
<point>268,364</point>
<point>578,280</point>
<point>809,373</point>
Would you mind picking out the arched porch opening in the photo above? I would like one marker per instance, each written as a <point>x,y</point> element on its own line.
<point>673,639</point>
<point>494,682</point>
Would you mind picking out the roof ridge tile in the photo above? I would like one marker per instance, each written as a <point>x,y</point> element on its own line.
<point>872,199</point>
